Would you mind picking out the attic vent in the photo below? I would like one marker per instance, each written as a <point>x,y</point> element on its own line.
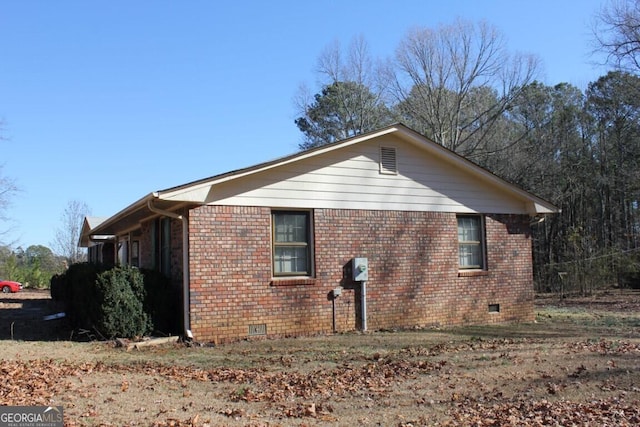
<point>388,161</point>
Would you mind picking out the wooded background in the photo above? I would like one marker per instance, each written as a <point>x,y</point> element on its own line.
<point>578,148</point>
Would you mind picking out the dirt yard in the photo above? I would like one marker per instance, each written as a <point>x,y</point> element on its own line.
<point>579,364</point>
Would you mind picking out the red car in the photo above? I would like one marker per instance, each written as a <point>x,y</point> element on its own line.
<point>7,286</point>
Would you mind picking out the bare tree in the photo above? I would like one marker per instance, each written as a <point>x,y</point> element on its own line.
<point>617,33</point>
<point>68,234</point>
<point>455,82</point>
<point>8,189</point>
<point>350,100</point>
<point>358,67</point>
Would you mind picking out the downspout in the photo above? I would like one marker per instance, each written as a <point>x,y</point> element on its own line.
<point>185,264</point>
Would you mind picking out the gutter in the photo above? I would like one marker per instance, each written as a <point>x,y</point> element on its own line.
<point>185,264</point>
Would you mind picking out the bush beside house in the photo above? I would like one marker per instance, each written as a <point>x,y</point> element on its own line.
<point>116,302</point>
<point>121,313</point>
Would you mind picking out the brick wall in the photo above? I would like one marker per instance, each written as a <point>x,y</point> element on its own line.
<point>413,273</point>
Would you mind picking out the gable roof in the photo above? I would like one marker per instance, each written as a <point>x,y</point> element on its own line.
<point>88,225</point>
<point>197,192</point>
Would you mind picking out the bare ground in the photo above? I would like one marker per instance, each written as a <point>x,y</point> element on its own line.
<point>578,364</point>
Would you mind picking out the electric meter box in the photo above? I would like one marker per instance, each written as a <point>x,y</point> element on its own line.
<point>360,268</point>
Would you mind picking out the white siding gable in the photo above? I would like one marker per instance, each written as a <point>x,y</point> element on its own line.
<point>350,178</point>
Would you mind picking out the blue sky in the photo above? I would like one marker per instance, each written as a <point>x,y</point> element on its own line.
<point>106,101</point>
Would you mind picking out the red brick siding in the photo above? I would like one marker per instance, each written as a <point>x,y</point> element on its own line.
<point>413,273</point>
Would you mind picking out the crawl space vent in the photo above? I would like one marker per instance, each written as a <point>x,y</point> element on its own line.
<point>257,330</point>
<point>388,161</point>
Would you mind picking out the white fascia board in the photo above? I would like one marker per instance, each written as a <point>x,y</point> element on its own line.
<point>543,208</point>
<point>196,194</point>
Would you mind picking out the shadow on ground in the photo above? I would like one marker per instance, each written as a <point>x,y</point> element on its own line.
<point>22,317</point>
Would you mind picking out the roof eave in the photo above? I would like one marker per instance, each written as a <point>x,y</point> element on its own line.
<point>106,227</point>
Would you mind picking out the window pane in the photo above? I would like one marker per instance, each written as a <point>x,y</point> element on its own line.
<point>290,259</point>
<point>290,228</point>
<point>470,255</point>
<point>468,229</point>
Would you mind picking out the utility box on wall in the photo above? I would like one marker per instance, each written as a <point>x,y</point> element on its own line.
<point>360,269</point>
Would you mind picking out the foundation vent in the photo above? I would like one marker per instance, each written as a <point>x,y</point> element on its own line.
<point>256,330</point>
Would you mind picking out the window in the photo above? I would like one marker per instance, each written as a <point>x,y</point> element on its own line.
<point>291,243</point>
<point>471,242</point>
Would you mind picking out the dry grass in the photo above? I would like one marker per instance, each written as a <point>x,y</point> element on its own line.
<point>578,364</point>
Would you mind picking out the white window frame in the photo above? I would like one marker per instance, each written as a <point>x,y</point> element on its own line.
<point>278,263</point>
<point>476,244</point>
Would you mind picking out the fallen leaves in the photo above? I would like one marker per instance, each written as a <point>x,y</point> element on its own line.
<point>24,383</point>
<point>479,381</point>
<point>605,347</point>
<point>600,412</point>
<point>305,395</point>
<point>36,382</point>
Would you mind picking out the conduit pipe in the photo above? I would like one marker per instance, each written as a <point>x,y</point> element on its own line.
<point>185,264</point>
<point>364,305</point>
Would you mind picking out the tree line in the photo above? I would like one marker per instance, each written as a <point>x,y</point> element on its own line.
<point>37,264</point>
<point>33,267</point>
<point>459,86</point>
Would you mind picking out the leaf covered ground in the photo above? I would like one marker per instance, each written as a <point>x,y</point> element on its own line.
<point>579,364</point>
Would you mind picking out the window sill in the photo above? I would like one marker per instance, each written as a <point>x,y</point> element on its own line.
<point>292,281</point>
<point>472,273</point>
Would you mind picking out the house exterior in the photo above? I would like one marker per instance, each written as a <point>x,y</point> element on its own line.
<point>100,248</point>
<point>269,250</point>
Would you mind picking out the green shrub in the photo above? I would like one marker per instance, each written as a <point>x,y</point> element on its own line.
<point>121,313</point>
